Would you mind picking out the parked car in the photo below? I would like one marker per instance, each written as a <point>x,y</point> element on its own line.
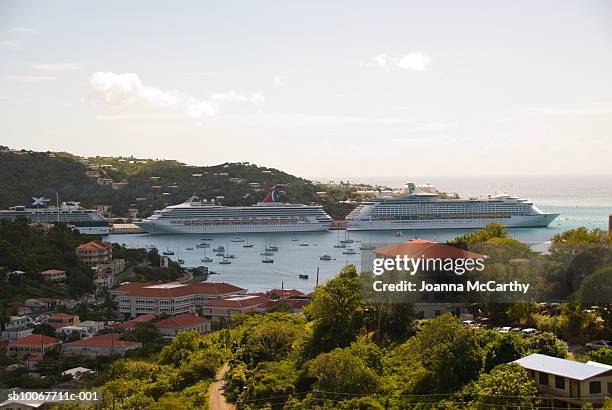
<point>599,344</point>
<point>530,331</point>
<point>505,329</point>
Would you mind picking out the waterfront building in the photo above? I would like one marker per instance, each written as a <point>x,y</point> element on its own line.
<point>172,326</point>
<point>137,298</point>
<point>567,383</point>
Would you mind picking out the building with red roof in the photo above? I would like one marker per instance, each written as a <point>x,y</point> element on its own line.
<point>131,324</point>
<point>226,308</point>
<point>95,253</point>
<point>421,248</point>
<point>61,319</point>
<point>173,325</point>
<point>103,345</point>
<point>171,298</point>
<point>424,249</point>
<point>32,345</point>
<point>284,293</point>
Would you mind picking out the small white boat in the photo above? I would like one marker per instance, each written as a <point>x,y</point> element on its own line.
<point>180,262</point>
<point>206,259</point>
<point>267,260</point>
<point>350,251</point>
<point>189,249</point>
<point>225,262</point>
<point>272,249</point>
<point>340,245</point>
<point>304,244</point>
<point>238,240</point>
<point>325,258</point>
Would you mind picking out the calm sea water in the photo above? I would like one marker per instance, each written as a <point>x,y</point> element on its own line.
<point>581,201</point>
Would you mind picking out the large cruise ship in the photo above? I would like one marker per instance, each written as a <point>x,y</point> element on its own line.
<point>420,209</point>
<point>197,216</point>
<point>87,221</point>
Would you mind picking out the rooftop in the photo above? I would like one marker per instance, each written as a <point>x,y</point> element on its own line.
<point>182,320</point>
<point>562,367</point>
<point>174,290</point>
<point>52,272</point>
<point>94,246</point>
<point>420,248</point>
<point>240,301</point>
<point>105,340</point>
<point>34,340</point>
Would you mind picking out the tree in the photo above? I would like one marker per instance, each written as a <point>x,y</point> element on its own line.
<point>492,230</point>
<point>506,387</point>
<point>341,372</point>
<point>450,351</point>
<point>337,310</point>
<point>272,340</point>
<point>601,356</point>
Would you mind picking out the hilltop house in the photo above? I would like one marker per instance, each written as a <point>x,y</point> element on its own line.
<point>34,344</point>
<point>103,345</point>
<point>172,326</point>
<point>54,275</point>
<point>566,382</point>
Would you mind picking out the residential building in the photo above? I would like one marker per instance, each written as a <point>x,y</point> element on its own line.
<point>16,328</point>
<point>54,275</point>
<point>173,325</point>
<point>60,319</point>
<point>23,310</point>
<point>565,382</point>
<point>104,181</point>
<point>95,253</point>
<point>92,327</point>
<point>93,173</point>
<point>103,345</point>
<point>119,185</point>
<point>32,345</point>
<point>171,298</point>
<point>77,372</point>
<point>103,278</point>
<point>42,304</point>
<point>226,308</point>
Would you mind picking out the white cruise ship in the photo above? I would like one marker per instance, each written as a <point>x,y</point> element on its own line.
<point>419,209</point>
<point>87,221</point>
<point>196,216</point>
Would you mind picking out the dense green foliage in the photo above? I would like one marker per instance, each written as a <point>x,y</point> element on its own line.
<point>32,173</point>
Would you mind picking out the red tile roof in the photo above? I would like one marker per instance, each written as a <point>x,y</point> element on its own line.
<point>34,340</point>
<point>61,316</point>
<point>94,246</point>
<point>420,248</point>
<point>285,292</point>
<point>105,340</point>
<point>52,272</point>
<point>182,320</point>
<point>130,324</point>
<point>174,290</point>
<point>238,301</point>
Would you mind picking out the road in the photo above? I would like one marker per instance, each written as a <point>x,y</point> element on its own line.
<point>217,399</point>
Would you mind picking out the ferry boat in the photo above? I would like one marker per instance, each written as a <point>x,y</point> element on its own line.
<point>37,209</point>
<point>426,210</point>
<point>201,216</point>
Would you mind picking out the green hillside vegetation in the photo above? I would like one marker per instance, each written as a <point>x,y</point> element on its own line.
<point>49,173</point>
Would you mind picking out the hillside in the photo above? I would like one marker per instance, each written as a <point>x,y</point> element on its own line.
<point>151,183</point>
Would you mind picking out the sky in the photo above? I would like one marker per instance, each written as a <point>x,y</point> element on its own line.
<point>315,88</point>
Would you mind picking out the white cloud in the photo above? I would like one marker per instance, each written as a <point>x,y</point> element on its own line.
<point>21,30</point>
<point>381,61</point>
<point>111,88</point>
<point>411,61</point>
<point>27,78</point>
<point>414,61</point>
<point>10,44</point>
<point>278,81</point>
<point>56,66</point>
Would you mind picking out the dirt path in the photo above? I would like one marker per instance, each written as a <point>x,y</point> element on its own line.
<point>217,399</point>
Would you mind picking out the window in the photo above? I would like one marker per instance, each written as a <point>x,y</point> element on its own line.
<point>560,382</point>
<point>595,387</point>
<point>544,379</point>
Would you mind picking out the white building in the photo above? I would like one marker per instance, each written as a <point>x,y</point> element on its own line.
<point>171,298</point>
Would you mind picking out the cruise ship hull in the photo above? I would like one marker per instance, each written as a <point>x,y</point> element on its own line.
<point>165,228</point>
<point>515,221</point>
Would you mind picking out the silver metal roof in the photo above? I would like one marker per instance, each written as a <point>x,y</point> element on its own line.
<point>562,367</point>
